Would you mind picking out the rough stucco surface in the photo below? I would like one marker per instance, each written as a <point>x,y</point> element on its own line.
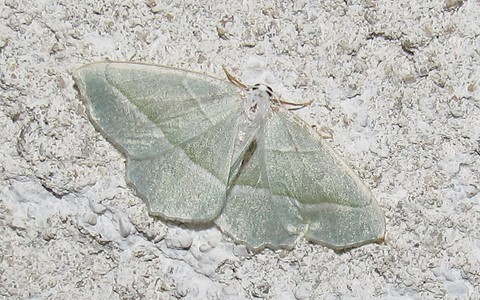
<point>396,83</point>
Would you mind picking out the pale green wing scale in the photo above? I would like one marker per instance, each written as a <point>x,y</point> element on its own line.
<point>174,128</point>
<point>304,186</point>
<point>200,149</point>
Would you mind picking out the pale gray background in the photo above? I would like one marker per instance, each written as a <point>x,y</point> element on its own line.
<point>397,82</point>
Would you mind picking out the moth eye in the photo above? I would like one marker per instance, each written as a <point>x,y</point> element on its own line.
<point>269,91</point>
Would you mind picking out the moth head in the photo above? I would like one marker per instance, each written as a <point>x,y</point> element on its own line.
<point>263,88</point>
<point>265,92</point>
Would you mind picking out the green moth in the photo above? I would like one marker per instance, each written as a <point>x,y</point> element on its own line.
<point>204,150</point>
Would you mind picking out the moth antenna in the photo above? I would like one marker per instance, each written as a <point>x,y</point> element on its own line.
<point>233,79</point>
<point>294,106</point>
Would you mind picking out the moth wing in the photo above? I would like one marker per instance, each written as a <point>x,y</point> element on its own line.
<point>295,184</point>
<point>176,128</point>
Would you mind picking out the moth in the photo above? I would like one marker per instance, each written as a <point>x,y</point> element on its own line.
<point>204,150</point>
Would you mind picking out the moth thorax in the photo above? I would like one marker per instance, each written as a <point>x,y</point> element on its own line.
<point>257,103</point>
